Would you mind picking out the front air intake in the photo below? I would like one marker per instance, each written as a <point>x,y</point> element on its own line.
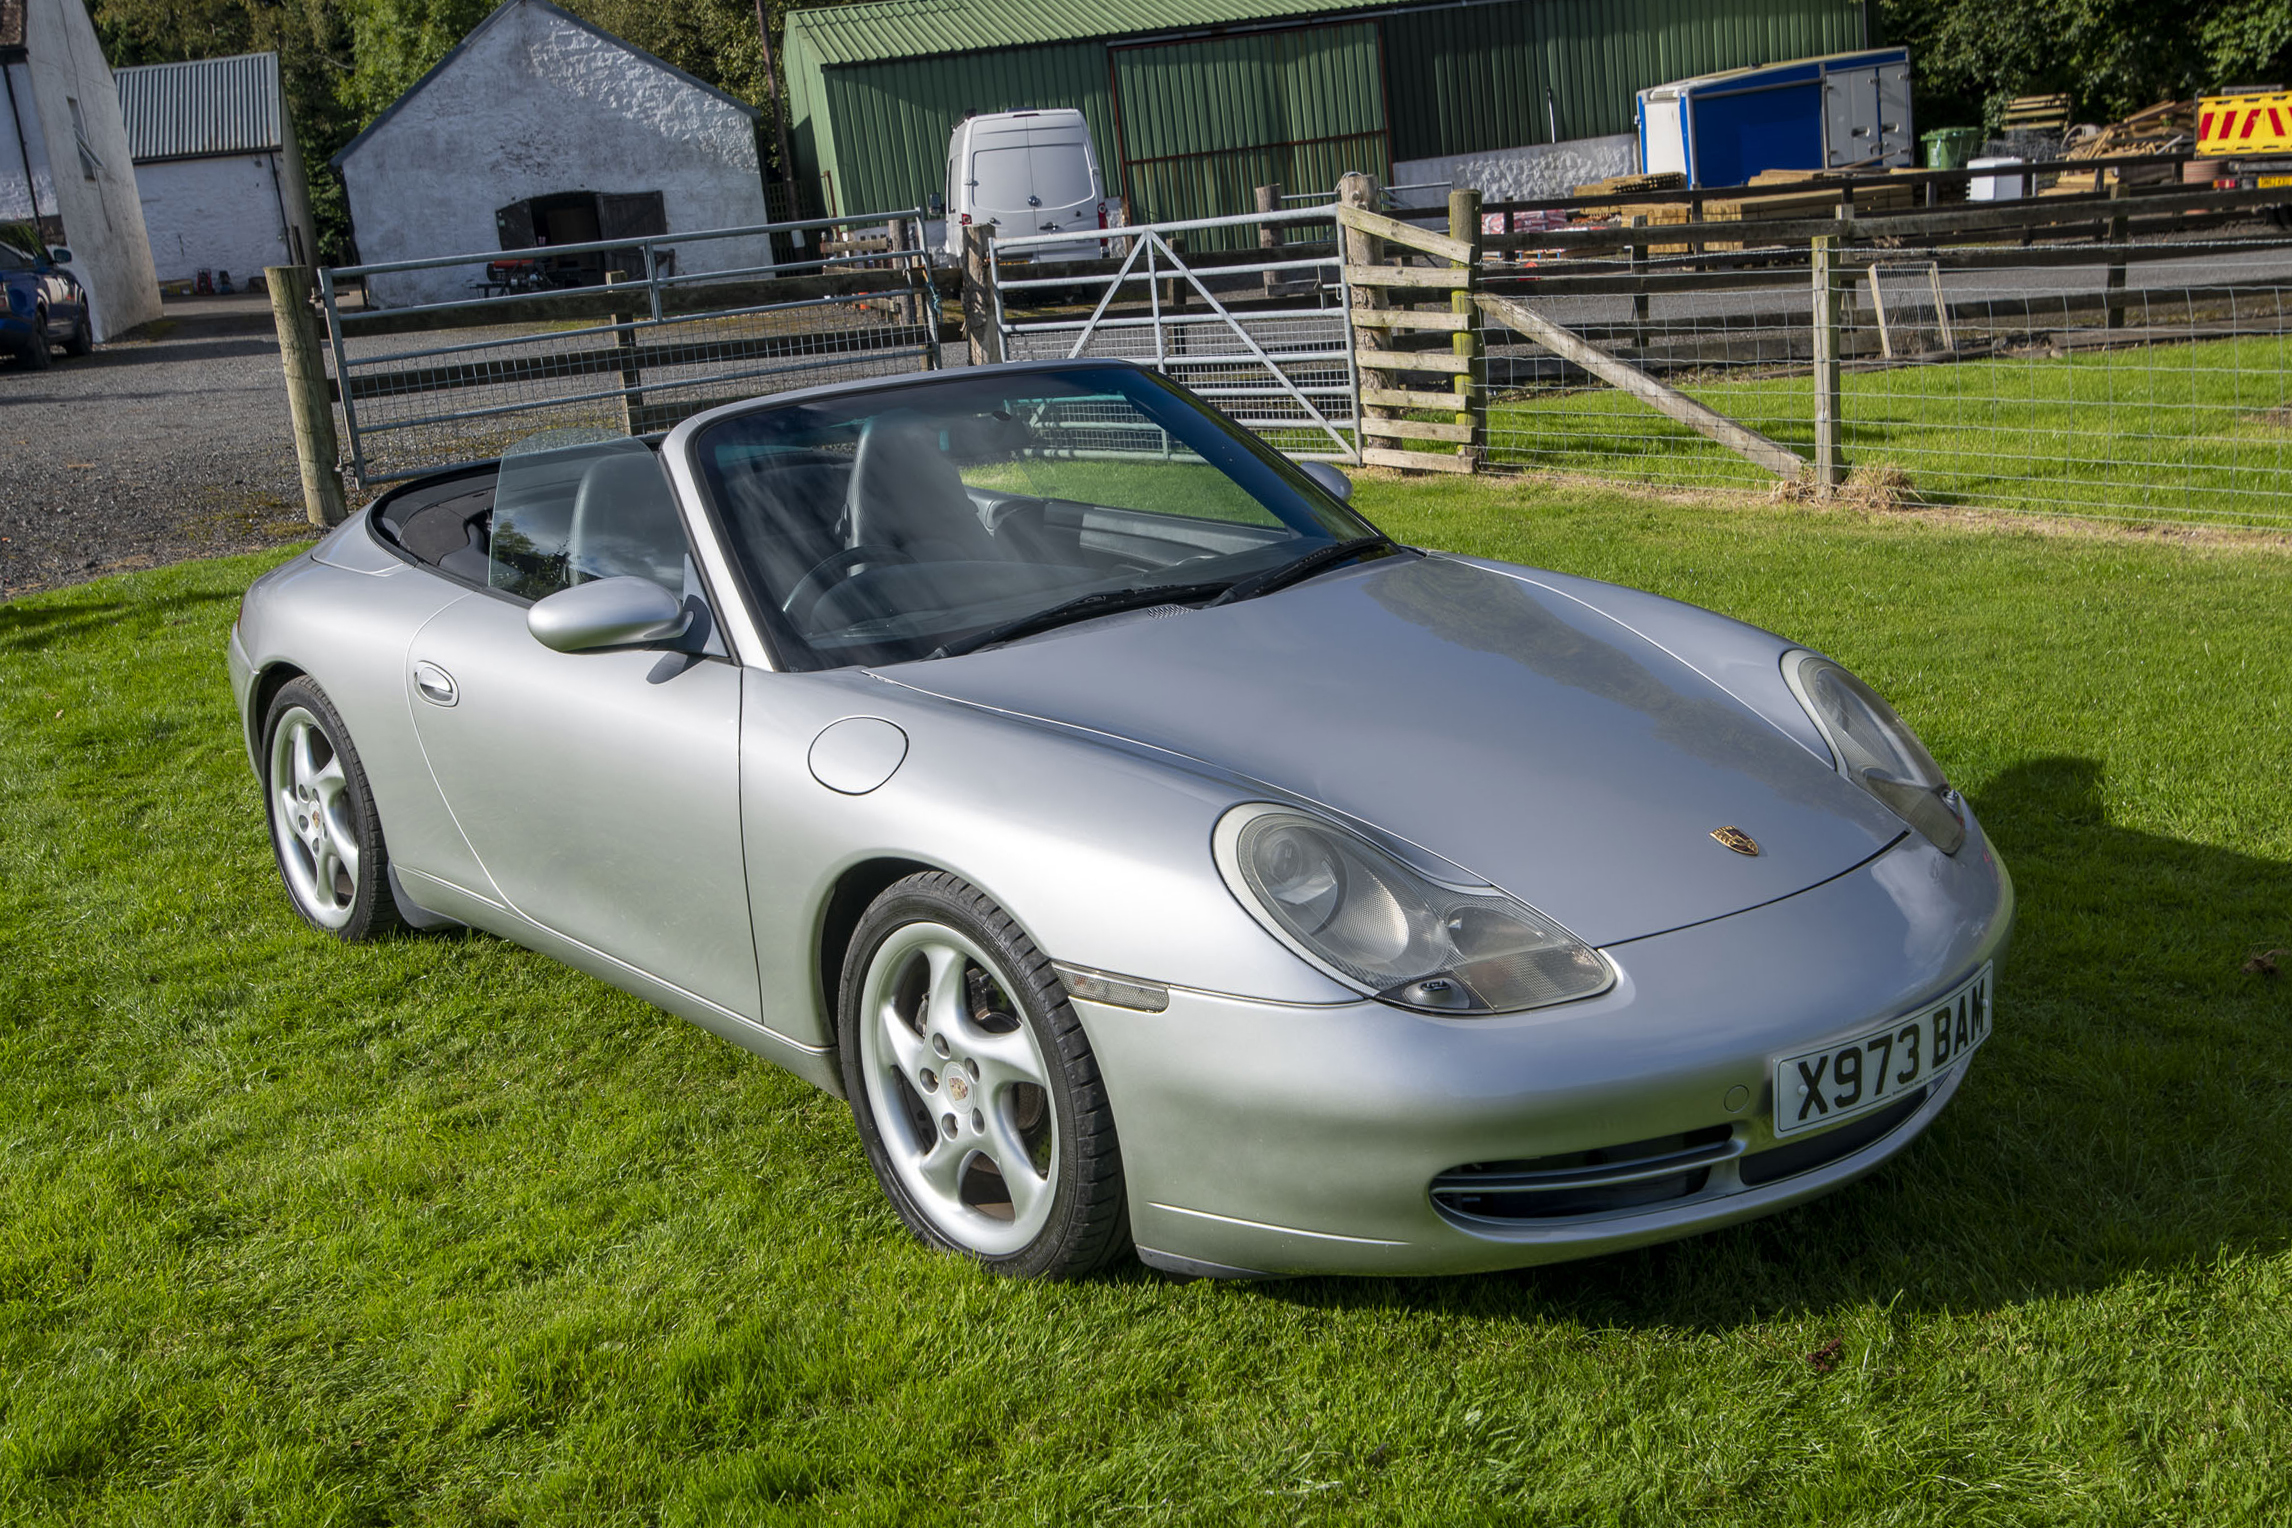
<point>1595,1182</point>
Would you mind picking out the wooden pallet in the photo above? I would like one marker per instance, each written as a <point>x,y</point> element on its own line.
<point>2037,113</point>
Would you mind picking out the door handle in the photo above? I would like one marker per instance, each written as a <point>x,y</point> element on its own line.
<point>434,684</point>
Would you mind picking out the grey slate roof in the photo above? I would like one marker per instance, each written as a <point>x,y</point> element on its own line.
<point>499,11</point>
<point>210,106</point>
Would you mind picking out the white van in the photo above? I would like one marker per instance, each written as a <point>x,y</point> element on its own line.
<point>1026,172</point>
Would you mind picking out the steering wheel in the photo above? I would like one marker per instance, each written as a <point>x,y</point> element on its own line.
<point>832,570</point>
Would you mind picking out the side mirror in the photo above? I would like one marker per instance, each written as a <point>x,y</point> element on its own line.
<point>59,256</point>
<point>609,612</point>
<point>1339,485</point>
<point>935,205</point>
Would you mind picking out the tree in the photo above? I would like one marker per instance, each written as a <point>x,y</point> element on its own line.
<point>344,61</point>
<point>2110,57</point>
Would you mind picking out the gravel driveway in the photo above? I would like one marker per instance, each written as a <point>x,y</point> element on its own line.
<point>169,445</point>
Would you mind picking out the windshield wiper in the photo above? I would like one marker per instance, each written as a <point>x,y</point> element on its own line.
<point>1298,567</point>
<point>1081,608</point>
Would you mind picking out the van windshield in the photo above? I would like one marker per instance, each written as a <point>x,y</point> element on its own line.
<point>887,525</point>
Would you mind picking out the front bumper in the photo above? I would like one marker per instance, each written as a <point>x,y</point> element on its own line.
<point>1260,1138</point>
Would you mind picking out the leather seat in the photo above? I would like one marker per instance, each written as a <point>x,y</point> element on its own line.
<point>905,494</point>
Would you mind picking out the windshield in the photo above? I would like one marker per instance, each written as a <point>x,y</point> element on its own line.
<point>886,525</point>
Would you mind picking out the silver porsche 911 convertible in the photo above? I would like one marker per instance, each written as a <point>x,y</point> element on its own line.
<point>1157,856</point>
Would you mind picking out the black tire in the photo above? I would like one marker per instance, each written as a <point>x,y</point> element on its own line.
<point>82,341</point>
<point>346,895</point>
<point>36,354</point>
<point>1088,1222</point>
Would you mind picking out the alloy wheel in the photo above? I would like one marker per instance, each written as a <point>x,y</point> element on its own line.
<point>958,1089</point>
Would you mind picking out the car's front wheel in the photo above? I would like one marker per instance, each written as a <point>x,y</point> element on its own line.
<point>81,341</point>
<point>35,351</point>
<point>323,825</point>
<point>977,1097</point>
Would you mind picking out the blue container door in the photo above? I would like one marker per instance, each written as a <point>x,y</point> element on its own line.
<point>1739,134</point>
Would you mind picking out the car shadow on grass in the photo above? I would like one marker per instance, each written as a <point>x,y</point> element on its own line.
<point>33,628</point>
<point>2132,1111</point>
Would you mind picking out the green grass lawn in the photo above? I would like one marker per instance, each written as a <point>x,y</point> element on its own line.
<point>2193,432</point>
<point>435,1231</point>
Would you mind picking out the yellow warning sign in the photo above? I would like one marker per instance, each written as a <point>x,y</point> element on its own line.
<point>2245,124</point>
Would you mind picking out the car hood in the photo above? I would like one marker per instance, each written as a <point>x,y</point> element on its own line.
<point>1503,726</point>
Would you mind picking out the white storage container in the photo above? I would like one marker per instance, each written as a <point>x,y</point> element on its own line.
<point>1996,188</point>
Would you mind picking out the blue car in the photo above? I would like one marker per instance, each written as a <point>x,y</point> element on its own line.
<point>46,306</point>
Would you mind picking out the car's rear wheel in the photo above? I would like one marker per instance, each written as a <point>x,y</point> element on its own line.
<point>81,341</point>
<point>323,826</point>
<point>35,351</point>
<point>977,1097</point>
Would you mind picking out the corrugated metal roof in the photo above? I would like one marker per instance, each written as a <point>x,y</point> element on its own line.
<point>854,34</point>
<point>208,106</point>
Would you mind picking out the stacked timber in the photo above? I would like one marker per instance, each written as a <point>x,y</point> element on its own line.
<point>1633,185</point>
<point>2036,114</point>
<point>2169,127</point>
<point>1814,202</point>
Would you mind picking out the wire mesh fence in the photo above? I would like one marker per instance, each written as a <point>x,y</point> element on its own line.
<point>624,345</point>
<point>2151,385</point>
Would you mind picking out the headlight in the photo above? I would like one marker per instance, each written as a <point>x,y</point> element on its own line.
<point>1370,921</point>
<point>1876,749</point>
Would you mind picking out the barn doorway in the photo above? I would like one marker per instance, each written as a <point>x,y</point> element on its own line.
<point>583,217</point>
<point>1295,105</point>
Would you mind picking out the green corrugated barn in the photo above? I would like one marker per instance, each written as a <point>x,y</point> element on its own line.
<point>1194,102</point>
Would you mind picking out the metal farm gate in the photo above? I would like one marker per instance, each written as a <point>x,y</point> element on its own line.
<point>474,353</point>
<point>1260,333</point>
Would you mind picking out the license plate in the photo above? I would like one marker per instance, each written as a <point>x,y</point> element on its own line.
<point>1825,1086</point>
<point>2267,181</point>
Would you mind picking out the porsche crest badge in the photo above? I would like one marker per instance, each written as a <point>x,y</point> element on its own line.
<point>1737,840</point>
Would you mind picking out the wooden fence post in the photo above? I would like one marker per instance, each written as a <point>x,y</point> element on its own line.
<point>308,403</point>
<point>1355,189</point>
<point>979,326</point>
<point>902,241</point>
<point>1828,469</point>
<point>1467,344</point>
<point>2115,284</point>
<point>1269,235</point>
<point>1639,304</point>
<point>625,340</point>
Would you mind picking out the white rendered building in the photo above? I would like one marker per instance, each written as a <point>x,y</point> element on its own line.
<point>220,178</point>
<point>540,129</point>
<point>64,164</point>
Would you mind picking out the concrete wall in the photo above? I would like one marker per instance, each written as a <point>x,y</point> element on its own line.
<point>230,213</point>
<point>103,220</point>
<point>1524,174</point>
<point>534,106</point>
<point>27,186</point>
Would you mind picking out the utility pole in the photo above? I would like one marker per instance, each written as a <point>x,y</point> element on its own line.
<point>779,111</point>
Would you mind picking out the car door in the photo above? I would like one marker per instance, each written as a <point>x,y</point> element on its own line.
<point>599,790</point>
